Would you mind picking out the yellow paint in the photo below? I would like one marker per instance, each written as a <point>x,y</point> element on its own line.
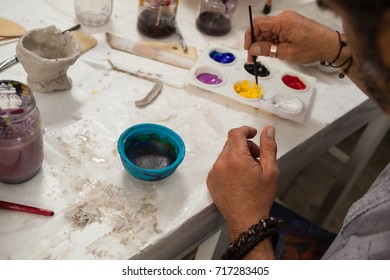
<point>248,89</point>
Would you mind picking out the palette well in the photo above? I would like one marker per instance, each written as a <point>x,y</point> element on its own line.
<point>283,91</point>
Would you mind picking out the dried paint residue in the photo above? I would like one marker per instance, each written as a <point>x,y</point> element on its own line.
<point>248,89</point>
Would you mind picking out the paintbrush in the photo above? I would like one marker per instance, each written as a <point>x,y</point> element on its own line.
<point>25,208</point>
<point>253,40</point>
<point>13,60</point>
<point>267,7</point>
<point>181,38</point>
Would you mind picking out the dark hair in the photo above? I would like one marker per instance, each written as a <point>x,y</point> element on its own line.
<point>366,18</point>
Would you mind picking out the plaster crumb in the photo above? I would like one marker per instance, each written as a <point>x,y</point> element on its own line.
<point>76,117</point>
<point>83,214</point>
<point>106,204</point>
<point>99,253</point>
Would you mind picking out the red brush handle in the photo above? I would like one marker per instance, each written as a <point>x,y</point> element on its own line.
<point>25,208</point>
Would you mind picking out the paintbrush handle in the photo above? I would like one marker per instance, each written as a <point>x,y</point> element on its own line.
<point>25,208</point>
<point>181,39</point>
<point>8,62</point>
<point>77,26</point>
<point>253,40</point>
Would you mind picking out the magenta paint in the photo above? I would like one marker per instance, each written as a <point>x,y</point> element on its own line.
<point>209,79</point>
<point>21,141</point>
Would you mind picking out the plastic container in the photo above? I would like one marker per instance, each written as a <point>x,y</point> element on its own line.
<point>214,17</point>
<point>93,12</point>
<point>156,18</point>
<point>21,142</point>
<point>150,152</point>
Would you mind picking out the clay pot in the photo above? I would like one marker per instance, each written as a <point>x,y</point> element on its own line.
<point>46,54</point>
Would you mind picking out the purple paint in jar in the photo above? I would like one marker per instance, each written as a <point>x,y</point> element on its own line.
<point>209,79</point>
<point>21,141</point>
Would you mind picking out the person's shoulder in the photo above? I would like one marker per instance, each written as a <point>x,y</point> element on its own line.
<point>366,229</point>
<point>375,201</point>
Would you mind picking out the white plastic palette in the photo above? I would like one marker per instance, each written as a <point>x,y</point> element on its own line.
<point>278,98</point>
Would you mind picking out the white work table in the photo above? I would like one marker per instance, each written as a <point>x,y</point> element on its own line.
<point>133,219</point>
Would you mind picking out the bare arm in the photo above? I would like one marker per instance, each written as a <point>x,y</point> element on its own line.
<point>243,182</point>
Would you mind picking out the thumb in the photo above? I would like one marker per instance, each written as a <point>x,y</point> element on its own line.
<point>268,149</point>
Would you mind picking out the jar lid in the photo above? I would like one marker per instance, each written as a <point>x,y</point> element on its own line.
<point>16,102</point>
<point>15,97</point>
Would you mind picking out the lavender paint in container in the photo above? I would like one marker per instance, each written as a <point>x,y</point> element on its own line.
<point>21,142</point>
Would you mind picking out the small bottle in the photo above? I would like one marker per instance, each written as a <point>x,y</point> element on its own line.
<point>156,18</point>
<point>21,140</point>
<point>93,12</point>
<point>215,16</point>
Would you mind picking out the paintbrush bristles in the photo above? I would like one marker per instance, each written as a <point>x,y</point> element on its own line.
<point>253,40</point>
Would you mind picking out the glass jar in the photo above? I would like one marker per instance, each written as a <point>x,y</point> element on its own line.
<point>93,12</point>
<point>215,16</point>
<point>21,140</point>
<point>156,18</point>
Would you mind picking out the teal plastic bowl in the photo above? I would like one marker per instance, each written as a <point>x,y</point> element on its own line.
<point>150,152</point>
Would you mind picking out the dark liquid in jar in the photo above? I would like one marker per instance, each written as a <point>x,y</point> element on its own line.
<point>150,155</point>
<point>213,23</point>
<point>149,24</point>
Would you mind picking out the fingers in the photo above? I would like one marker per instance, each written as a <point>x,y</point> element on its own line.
<point>238,136</point>
<point>253,149</point>
<point>262,30</point>
<point>268,150</point>
<point>238,141</point>
<point>266,39</point>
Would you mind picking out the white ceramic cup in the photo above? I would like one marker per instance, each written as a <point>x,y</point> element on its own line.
<point>93,12</point>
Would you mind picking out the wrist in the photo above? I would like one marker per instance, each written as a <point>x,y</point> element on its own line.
<point>260,238</point>
<point>343,59</point>
<point>330,46</point>
<point>263,250</point>
<point>242,224</point>
<point>337,50</point>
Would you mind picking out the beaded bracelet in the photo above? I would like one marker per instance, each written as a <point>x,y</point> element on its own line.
<point>342,45</point>
<point>345,70</point>
<point>348,61</point>
<point>247,240</point>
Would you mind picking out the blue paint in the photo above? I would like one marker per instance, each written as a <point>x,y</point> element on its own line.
<point>224,58</point>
